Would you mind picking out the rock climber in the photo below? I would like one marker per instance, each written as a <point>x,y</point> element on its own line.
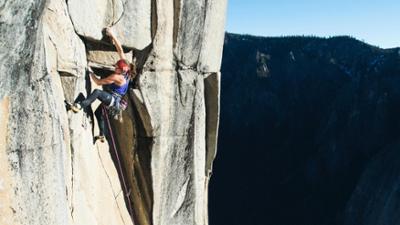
<point>115,86</point>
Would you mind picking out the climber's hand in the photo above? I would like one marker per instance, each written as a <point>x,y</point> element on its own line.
<point>109,32</point>
<point>94,78</point>
<point>90,69</point>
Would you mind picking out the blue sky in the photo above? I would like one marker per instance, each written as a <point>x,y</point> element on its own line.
<point>376,22</point>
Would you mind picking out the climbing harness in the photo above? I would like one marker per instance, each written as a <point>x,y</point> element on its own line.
<point>127,191</point>
<point>117,105</point>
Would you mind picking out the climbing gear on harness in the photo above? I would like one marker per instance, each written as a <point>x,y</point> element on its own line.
<point>123,104</point>
<point>118,104</point>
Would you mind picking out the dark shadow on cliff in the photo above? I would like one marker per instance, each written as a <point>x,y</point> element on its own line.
<point>301,118</point>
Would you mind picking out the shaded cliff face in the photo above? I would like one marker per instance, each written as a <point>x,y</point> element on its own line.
<point>51,172</point>
<point>305,127</point>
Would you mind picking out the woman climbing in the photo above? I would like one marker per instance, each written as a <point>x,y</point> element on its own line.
<point>115,86</point>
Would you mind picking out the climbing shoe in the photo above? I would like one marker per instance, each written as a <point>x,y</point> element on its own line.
<point>100,138</point>
<point>76,107</point>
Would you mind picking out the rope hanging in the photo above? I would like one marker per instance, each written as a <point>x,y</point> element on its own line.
<point>105,115</point>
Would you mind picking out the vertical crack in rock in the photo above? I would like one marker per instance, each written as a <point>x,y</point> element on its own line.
<point>154,19</point>
<point>115,16</point>
<point>110,182</point>
<point>135,150</point>
<point>201,41</point>
<point>212,101</point>
<point>71,197</point>
<point>180,89</point>
<point>190,33</point>
<point>212,107</point>
<point>181,198</point>
<point>177,10</point>
<point>70,18</point>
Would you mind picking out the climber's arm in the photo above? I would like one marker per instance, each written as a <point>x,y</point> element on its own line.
<point>107,80</point>
<point>116,43</point>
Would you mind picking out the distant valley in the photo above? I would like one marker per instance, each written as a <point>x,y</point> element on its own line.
<point>309,133</point>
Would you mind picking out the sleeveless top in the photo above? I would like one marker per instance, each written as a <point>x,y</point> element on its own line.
<point>121,90</point>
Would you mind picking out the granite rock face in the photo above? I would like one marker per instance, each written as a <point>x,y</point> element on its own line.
<point>131,20</point>
<point>51,172</point>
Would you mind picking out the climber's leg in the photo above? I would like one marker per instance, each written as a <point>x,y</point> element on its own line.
<point>100,121</point>
<point>103,96</point>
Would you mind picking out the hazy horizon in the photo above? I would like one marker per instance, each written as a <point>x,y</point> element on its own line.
<point>374,22</point>
<point>309,36</point>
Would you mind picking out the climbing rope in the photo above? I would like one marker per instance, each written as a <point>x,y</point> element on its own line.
<point>105,115</point>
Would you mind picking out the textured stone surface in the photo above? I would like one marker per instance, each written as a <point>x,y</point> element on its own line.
<point>7,205</point>
<point>104,55</point>
<point>176,101</point>
<point>91,178</point>
<point>51,172</point>
<point>161,54</point>
<point>199,40</point>
<point>134,25</point>
<point>97,196</point>
<point>189,33</point>
<point>36,151</point>
<point>130,20</point>
<point>69,51</point>
<point>213,39</point>
<point>91,16</point>
<point>18,24</point>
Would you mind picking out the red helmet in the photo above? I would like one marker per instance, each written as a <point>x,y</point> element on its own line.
<point>121,64</point>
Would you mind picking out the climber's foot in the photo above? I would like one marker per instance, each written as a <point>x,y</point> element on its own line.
<point>76,107</point>
<point>100,138</point>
